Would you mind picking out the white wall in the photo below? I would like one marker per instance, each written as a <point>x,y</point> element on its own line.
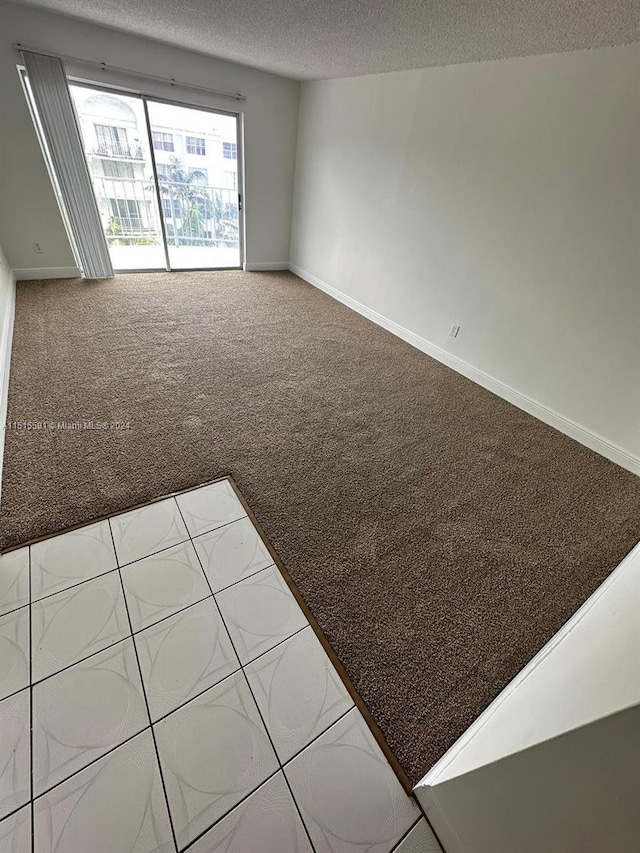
<point>28,210</point>
<point>577,793</point>
<point>503,196</point>
<point>7,306</point>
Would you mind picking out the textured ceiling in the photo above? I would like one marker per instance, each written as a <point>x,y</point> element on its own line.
<point>308,39</point>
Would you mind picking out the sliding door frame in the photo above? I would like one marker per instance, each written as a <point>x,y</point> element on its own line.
<point>131,93</point>
<point>156,186</point>
<point>240,162</point>
<point>238,116</point>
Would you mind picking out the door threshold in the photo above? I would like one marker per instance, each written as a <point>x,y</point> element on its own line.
<point>202,269</point>
<point>128,272</point>
<point>177,269</point>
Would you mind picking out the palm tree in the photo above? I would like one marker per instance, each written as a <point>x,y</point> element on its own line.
<point>187,191</point>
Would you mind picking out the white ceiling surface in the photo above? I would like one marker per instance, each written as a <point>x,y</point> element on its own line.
<point>311,39</point>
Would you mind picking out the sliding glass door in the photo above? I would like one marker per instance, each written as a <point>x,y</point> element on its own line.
<point>196,156</point>
<point>166,180</point>
<point>114,133</point>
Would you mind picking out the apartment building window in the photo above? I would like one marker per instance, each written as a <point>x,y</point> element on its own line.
<point>117,169</point>
<point>198,176</point>
<point>229,150</point>
<point>112,140</point>
<point>162,141</point>
<point>171,208</point>
<point>195,145</point>
<point>126,212</point>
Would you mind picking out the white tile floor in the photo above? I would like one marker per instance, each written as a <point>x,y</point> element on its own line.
<point>161,689</point>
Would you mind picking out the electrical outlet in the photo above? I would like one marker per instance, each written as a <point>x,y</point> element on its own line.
<point>453,331</point>
<point>37,248</point>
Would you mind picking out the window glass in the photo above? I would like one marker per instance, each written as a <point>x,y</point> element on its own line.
<point>112,140</point>
<point>162,141</point>
<point>117,169</point>
<point>196,145</point>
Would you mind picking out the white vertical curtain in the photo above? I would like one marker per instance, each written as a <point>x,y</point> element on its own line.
<point>52,98</point>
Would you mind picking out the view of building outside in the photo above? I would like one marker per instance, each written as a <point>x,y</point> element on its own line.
<point>197,167</point>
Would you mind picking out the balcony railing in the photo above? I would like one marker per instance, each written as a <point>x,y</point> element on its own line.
<point>118,149</point>
<point>194,215</point>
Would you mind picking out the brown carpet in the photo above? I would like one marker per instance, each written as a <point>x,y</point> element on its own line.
<point>439,535</point>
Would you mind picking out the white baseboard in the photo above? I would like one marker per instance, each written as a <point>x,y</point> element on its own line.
<point>6,336</point>
<point>563,424</point>
<point>38,273</point>
<point>269,265</point>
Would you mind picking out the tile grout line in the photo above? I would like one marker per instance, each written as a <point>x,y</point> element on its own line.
<point>406,834</point>
<point>14,610</point>
<point>74,585</point>
<point>16,810</point>
<point>144,693</point>
<point>76,662</point>
<point>80,582</point>
<point>195,695</point>
<point>175,613</point>
<point>277,645</point>
<point>235,651</point>
<point>286,778</point>
<point>280,764</point>
<point>242,670</point>
<point>151,554</point>
<point>15,693</point>
<point>228,811</point>
<point>427,821</point>
<point>246,578</point>
<point>318,736</point>
<point>193,536</point>
<point>90,764</point>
